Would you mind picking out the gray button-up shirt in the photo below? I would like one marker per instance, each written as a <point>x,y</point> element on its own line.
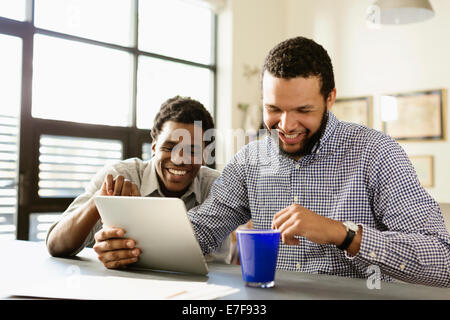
<point>143,174</point>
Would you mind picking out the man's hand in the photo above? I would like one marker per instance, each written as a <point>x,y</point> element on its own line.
<point>119,187</point>
<point>296,220</point>
<point>113,250</point>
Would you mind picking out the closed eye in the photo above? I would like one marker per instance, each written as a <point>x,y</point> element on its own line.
<point>271,108</point>
<point>166,149</point>
<point>305,109</point>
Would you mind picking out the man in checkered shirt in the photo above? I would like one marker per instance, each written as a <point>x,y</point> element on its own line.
<point>345,197</point>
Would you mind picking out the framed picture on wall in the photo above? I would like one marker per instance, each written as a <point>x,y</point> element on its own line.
<point>356,110</point>
<point>424,166</point>
<point>415,116</point>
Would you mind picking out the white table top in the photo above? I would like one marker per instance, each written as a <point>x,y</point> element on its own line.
<point>23,262</point>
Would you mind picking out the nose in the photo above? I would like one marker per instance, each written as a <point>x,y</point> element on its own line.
<point>179,156</point>
<point>287,123</point>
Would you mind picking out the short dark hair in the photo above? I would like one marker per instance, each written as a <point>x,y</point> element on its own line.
<point>184,110</point>
<point>301,57</point>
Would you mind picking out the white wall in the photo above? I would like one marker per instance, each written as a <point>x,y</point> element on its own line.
<point>248,29</point>
<point>367,61</point>
<point>391,59</point>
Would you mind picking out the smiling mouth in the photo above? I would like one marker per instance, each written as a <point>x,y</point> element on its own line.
<point>177,172</point>
<point>291,138</point>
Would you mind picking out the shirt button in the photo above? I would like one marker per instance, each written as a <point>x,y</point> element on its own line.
<point>402,267</point>
<point>372,254</point>
<point>295,199</point>
<point>297,166</point>
<point>298,266</point>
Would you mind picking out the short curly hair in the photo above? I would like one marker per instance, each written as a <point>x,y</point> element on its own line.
<point>184,110</point>
<point>301,57</point>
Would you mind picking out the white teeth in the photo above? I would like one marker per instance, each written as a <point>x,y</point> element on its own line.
<point>177,172</point>
<point>291,136</point>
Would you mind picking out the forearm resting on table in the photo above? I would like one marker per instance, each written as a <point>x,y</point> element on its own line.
<point>410,257</point>
<point>71,231</point>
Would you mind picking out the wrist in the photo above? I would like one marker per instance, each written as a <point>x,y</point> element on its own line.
<point>338,234</point>
<point>350,237</point>
<point>92,209</point>
<point>354,247</point>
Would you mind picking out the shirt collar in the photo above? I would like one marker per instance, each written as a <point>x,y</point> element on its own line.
<point>150,180</point>
<point>150,184</point>
<point>195,189</point>
<point>332,123</point>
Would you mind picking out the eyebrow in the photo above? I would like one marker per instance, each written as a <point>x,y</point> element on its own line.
<point>305,107</point>
<point>169,142</point>
<point>172,143</point>
<point>300,108</point>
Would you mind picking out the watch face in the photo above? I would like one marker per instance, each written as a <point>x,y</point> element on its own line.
<point>351,225</point>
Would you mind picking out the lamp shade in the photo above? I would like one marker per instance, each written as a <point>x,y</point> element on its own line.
<point>403,11</point>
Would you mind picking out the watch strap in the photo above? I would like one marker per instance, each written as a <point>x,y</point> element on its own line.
<point>348,240</point>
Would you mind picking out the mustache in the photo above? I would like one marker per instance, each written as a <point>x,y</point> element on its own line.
<point>310,140</point>
<point>275,127</point>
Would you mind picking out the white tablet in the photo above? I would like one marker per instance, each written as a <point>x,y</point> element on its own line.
<point>161,229</point>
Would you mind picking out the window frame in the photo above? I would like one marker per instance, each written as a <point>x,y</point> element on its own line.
<point>28,200</point>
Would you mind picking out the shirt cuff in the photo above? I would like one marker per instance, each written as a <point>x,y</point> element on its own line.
<point>372,249</point>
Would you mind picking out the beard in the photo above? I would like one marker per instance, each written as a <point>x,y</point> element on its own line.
<point>309,143</point>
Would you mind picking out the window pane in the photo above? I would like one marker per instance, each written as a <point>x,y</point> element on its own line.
<point>79,82</point>
<point>13,9</point>
<point>159,80</point>
<point>103,20</point>
<point>146,151</point>
<point>40,223</point>
<point>67,164</point>
<point>176,28</point>
<point>10,75</point>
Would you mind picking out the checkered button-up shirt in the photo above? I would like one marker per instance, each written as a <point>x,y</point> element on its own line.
<point>354,173</point>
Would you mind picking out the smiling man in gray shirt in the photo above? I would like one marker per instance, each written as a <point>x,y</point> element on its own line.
<point>162,176</point>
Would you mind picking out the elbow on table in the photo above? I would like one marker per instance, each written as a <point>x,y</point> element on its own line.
<point>438,278</point>
<point>446,283</point>
<point>51,246</point>
<point>445,272</point>
<point>54,247</point>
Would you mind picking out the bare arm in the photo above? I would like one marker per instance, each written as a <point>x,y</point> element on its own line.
<point>70,233</point>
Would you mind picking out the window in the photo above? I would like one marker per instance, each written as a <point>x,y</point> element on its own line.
<point>13,9</point>
<point>40,223</point>
<point>187,29</point>
<point>80,82</point>
<point>146,151</point>
<point>81,18</point>
<point>159,79</point>
<point>87,79</point>
<point>67,164</point>
<point>10,66</point>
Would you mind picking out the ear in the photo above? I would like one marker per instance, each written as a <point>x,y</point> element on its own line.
<point>207,150</point>
<point>331,99</point>
<point>153,146</point>
<point>204,154</point>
